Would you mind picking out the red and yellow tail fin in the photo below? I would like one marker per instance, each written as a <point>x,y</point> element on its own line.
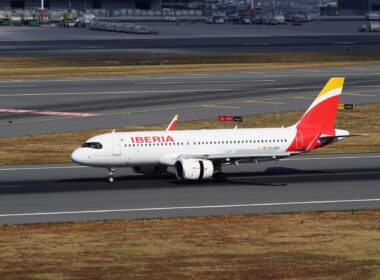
<point>321,114</point>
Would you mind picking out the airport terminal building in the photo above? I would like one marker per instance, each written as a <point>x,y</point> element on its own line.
<point>82,4</point>
<point>343,6</point>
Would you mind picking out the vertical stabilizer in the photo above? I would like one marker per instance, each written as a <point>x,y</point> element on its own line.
<point>321,114</point>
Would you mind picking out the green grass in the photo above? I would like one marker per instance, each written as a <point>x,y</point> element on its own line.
<point>77,67</point>
<point>313,245</point>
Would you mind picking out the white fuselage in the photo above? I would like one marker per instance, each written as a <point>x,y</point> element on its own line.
<point>131,149</point>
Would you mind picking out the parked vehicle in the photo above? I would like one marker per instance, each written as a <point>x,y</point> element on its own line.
<point>236,20</point>
<point>258,20</point>
<point>170,18</point>
<point>245,20</point>
<point>297,17</point>
<point>241,20</point>
<point>373,15</point>
<point>373,26</point>
<point>363,28</point>
<point>215,19</point>
<point>279,19</point>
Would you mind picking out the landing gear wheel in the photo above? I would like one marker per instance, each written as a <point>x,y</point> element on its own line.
<point>110,175</point>
<point>220,177</point>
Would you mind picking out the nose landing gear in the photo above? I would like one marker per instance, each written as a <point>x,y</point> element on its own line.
<point>110,175</point>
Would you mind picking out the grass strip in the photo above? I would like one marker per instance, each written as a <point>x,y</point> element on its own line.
<point>57,147</point>
<point>313,245</point>
<point>45,67</point>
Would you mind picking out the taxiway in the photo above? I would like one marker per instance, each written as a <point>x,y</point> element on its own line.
<point>57,105</point>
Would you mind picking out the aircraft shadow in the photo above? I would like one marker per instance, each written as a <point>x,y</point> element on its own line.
<point>273,176</point>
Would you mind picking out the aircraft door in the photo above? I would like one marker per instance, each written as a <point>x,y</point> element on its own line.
<point>299,140</point>
<point>116,147</point>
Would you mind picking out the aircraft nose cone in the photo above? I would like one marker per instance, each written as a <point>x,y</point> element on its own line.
<point>78,157</point>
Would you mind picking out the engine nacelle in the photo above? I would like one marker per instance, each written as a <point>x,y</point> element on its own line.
<point>193,169</point>
<point>154,169</point>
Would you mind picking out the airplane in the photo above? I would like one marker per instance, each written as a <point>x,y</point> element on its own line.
<point>200,154</point>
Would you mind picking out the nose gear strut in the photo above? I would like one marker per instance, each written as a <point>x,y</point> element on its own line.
<point>110,174</point>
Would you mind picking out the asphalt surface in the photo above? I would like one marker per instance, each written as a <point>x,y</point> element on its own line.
<point>188,38</point>
<point>147,99</point>
<point>34,194</point>
<point>170,45</point>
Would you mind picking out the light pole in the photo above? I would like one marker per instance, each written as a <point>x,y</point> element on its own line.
<point>252,9</point>
<point>42,11</point>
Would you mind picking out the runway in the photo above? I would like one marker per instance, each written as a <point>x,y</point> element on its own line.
<point>189,38</point>
<point>56,105</point>
<point>34,194</point>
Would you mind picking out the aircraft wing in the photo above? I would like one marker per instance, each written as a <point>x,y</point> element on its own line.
<point>250,154</point>
<point>231,156</point>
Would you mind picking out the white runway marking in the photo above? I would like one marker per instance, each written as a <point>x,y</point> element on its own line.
<point>111,92</point>
<point>48,113</point>
<point>26,86</point>
<point>42,168</point>
<point>191,207</point>
<point>198,82</point>
<point>318,175</point>
<point>333,157</point>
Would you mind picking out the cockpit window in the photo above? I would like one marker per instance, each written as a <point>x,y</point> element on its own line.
<point>92,145</point>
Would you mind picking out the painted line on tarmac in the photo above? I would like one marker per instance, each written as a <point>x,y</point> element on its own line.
<point>264,102</point>
<point>26,86</point>
<point>210,80</point>
<point>42,168</point>
<point>174,208</point>
<point>48,113</point>
<point>333,157</point>
<point>360,94</point>
<point>112,92</point>
<point>302,97</point>
<point>219,106</point>
<point>290,176</point>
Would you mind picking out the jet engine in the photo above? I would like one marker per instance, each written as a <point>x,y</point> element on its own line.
<point>193,169</point>
<point>154,169</point>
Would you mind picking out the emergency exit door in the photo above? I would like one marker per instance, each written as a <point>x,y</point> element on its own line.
<point>116,145</point>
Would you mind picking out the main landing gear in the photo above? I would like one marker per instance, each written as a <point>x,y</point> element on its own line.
<point>219,175</point>
<point>110,175</point>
